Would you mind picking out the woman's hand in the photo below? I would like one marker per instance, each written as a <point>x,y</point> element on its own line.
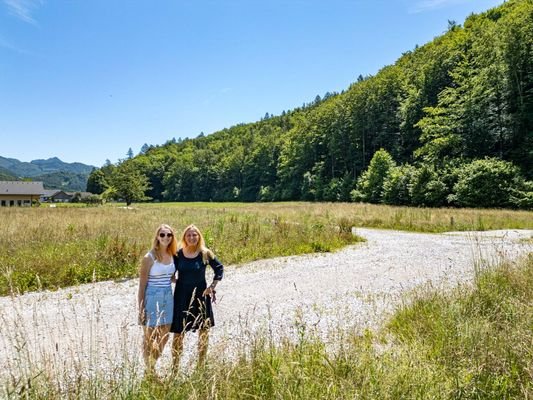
<point>211,292</point>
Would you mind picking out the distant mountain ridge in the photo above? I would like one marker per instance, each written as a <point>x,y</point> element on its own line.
<point>40,167</point>
<point>54,173</point>
<point>6,175</point>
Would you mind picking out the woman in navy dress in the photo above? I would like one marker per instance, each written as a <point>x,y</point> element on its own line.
<point>192,296</point>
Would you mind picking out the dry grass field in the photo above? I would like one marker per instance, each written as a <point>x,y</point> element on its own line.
<point>57,247</point>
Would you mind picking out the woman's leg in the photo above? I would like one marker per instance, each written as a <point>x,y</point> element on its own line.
<point>177,349</point>
<point>148,349</point>
<point>159,340</point>
<point>203,342</point>
<point>165,333</point>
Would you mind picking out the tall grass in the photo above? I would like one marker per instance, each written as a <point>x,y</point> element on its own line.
<point>474,342</point>
<point>56,247</point>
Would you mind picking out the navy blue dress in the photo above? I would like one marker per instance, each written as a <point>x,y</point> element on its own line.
<point>193,311</point>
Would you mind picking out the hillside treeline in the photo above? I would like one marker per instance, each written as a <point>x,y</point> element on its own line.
<point>450,123</point>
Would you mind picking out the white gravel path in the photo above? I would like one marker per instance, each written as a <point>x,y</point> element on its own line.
<point>92,326</point>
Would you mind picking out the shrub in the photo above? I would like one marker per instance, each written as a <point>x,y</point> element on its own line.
<point>94,199</point>
<point>265,194</point>
<point>491,183</point>
<point>76,198</point>
<point>370,184</point>
<point>396,185</point>
<point>311,187</point>
<point>427,188</point>
<point>523,198</point>
<point>338,189</point>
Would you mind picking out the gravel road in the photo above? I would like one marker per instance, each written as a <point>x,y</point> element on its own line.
<point>92,326</point>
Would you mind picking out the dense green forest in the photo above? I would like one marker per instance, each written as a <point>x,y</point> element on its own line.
<point>450,123</point>
<point>67,181</point>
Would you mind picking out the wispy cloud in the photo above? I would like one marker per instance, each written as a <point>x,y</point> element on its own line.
<point>428,5</point>
<point>23,9</point>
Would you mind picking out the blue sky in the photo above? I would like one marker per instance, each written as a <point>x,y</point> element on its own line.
<point>85,80</point>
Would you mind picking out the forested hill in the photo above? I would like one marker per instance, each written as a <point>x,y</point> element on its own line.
<point>54,173</point>
<point>454,110</point>
<point>39,167</point>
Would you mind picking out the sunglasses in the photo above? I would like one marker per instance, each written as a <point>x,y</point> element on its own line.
<point>162,235</point>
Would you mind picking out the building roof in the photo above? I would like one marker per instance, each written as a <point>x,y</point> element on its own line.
<point>61,193</point>
<point>49,192</point>
<point>18,187</point>
<point>82,194</point>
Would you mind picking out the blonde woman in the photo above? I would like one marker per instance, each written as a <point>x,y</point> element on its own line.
<point>192,296</point>
<point>155,294</point>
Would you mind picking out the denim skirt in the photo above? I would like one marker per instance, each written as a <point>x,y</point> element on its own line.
<point>159,305</point>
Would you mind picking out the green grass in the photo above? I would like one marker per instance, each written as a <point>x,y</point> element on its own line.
<point>480,339</point>
<point>56,247</point>
<point>474,342</point>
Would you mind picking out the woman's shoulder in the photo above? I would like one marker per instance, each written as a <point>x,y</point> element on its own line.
<point>148,260</point>
<point>179,255</point>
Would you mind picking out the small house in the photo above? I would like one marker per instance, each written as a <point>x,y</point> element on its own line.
<point>47,195</point>
<point>18,193</point>
<point>61,197</point>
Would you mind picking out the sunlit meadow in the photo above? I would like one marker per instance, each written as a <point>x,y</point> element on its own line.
<point>63,246</point>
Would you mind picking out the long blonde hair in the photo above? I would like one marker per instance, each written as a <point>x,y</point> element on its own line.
<point>172,248</point>
<point>200,246</point>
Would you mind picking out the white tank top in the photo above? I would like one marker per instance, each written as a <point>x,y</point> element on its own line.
<point>160,274</point>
